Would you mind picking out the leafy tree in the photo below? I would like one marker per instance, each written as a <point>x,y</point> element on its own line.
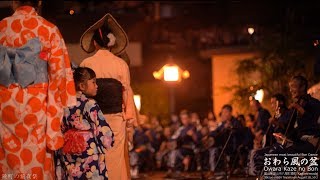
<point>280,56</point>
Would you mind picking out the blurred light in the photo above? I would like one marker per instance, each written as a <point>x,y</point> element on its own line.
<point>137,101</point>
<point>71,12</point>
<point>171,73</point>
<point>250,30</point>
<point>185,74</point>
<point>259,95</point>
<point>157,75</point>
<point>316,43</point>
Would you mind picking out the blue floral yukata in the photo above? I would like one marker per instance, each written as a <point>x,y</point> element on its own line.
<point>87,135</point>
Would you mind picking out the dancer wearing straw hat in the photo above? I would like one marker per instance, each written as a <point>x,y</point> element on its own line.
<point>115,96</point>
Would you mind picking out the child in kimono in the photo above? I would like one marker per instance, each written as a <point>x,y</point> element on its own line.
<point>87,134</point>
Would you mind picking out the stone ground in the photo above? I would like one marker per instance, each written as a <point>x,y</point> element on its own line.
<point>189,176</point>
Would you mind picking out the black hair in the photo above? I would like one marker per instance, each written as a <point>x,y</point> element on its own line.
<point>228,107</point>
<point>251,116</point>
<point>281,98</point>
<point>184,111</point>
<point>256,101</point>
<point>82,75</point>
<point>240,116</point>
<point>242,119</point>
<point>302,81</point>
<point>33,3</point>
<point>101,35</point>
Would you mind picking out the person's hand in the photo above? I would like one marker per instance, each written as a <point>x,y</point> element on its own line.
<point>186,162</point>
<point>297,107</point>
<point>227,124</point>
<point>278,136</point>
<point>129,123</point>
<point>140,149</point>
<point>259,133</point>
<point>272,120</point>
<point>258,136</point>
<point>190,132</point>
<point>148,133</point>
<point>281,139</point>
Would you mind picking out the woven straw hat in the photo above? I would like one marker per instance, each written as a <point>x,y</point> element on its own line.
<point>86,40</point>
<point>125,57</point>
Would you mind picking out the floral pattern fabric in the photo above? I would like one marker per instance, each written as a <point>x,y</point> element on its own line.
<point>30,117</point>
<point>107,65</point>
<point>87,120</point>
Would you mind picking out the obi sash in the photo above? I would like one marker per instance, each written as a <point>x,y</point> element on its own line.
<point>109,95</point>
<point>22,65</point>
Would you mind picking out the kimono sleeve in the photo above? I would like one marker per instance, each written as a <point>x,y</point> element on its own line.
<point>129,107</point>
<point>61,89</point>
<point>103,131</point>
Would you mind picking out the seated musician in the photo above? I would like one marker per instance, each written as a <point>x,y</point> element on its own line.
<point>303,128</point>
<point>229,126</point>
<point>301,134</point>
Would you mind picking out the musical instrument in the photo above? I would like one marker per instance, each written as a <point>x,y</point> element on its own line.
<point>172,144</point>
<point>284,141</point>
<point>207,142</point>
<point>281,139</point>
<point>276,116</point>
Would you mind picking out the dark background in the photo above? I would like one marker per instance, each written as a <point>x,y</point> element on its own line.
<point>182,30</point>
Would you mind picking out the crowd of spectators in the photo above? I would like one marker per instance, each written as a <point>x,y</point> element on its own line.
<point>235,145</point>
<point>190,143</point>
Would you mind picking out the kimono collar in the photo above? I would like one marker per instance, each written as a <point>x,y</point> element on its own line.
<point>103,52</point>
<point>79,93</point>
<point>25,10</point>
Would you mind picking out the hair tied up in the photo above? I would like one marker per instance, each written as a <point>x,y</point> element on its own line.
<point>112,40</point>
